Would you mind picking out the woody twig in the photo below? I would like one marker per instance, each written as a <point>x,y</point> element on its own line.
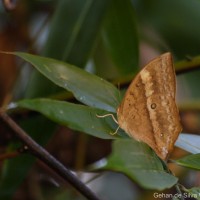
<point>39,152</point>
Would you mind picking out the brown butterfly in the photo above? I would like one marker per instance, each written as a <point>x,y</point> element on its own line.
<point>148,111</point>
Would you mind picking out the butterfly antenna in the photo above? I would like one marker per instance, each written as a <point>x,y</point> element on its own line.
<point>108,115</point>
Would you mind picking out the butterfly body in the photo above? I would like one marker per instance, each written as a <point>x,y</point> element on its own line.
<point>148,111</point>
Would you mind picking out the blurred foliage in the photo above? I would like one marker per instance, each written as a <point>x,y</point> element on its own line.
<point>112,39</point>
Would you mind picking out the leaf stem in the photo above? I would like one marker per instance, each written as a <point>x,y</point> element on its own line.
<point>47,158</point>
<point>179,191</point>
<point>177,184</point>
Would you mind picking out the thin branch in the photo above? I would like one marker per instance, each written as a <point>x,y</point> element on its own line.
<point>189,106</point>
<point>187,65</point>
<point>179,191</point>
<point>47,158</point>
<point>177,184</point>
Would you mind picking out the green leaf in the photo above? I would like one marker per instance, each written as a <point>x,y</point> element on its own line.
<point>189,142</point>
<point>87,88</point>
<point>191,161</point>
<point>78,117</point>
<point>120,36</point>
<point>74,29</point>
<point>139,162</point>
<point>72,36</point>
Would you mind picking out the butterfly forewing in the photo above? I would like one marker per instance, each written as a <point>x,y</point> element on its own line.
<point>148,111</point>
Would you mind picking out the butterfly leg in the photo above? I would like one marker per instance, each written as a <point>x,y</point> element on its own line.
<point>115,131</point>
<point>110,115</point>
